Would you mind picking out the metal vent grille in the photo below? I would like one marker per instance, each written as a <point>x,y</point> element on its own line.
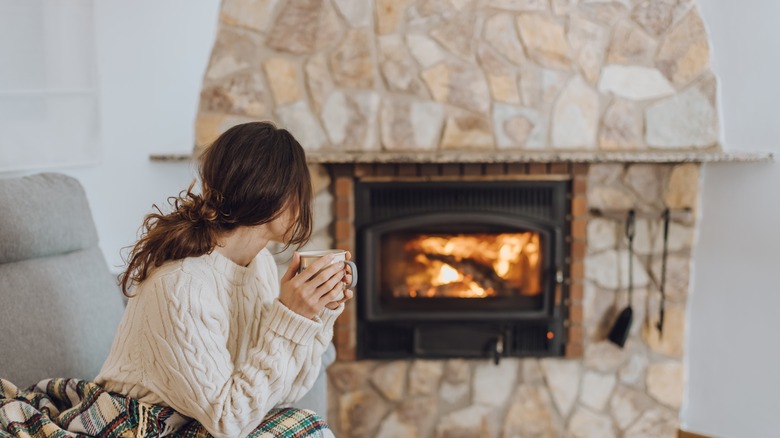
<point>530,339</point>
<point>391,340</point>
<point>529,199</point>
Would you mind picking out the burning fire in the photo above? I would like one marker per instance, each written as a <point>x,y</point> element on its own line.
<point>472,266</point>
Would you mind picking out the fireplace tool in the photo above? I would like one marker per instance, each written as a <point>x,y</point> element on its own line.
<point>622,327</point>
<point>662,286</point>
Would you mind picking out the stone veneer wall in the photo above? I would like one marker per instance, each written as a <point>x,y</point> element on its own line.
<point>452,75</point>
<point>607,392</point>
<point>464,74</point>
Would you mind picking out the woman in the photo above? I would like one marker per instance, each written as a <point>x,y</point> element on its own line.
<point>209,329</point>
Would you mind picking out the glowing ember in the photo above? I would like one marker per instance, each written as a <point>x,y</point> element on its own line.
<point>471,266</point>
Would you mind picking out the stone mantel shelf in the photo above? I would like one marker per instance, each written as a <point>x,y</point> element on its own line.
<point>651,157</point>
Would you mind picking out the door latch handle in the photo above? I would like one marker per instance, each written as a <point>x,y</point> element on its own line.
<point>498,349</point>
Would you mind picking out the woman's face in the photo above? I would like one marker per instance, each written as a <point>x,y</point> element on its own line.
<point>281,228</point>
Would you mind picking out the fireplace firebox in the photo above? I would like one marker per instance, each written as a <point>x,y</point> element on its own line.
<point>461,268</point>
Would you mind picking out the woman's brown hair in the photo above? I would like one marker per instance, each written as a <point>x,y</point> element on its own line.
<point>249,175</point>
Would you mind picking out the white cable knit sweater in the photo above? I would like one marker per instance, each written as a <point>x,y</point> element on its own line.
<point>210,339</point>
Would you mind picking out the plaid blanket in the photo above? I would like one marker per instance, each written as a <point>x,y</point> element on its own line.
<point>57,408</point>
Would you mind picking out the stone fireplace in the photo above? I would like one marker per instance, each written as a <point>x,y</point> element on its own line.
<point>613,99</point>
<point>596,386</point>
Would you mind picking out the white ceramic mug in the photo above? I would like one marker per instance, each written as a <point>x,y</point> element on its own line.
<point>339,255</point>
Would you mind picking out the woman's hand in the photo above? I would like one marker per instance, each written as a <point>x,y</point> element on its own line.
<point>348,294</point>
<point>310,291</point>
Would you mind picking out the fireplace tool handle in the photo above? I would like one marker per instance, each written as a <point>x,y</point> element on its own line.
<point>498,349</point>
<point>662,287</point>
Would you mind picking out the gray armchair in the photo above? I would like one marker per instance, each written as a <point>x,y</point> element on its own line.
<point>59,303</point>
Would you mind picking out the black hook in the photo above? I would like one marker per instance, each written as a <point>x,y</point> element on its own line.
<point>631,225</point>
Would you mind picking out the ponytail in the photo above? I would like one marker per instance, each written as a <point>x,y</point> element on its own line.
<point>190,230</point>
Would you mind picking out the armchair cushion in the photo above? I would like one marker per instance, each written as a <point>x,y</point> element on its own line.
<point>59,307</point>
<point>43,215</point>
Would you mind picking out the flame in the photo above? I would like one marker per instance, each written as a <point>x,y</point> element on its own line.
<point>472,265</point>
<point>447,274</point>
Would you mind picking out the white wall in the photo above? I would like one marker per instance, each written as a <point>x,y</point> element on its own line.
<point>151,58</point>
<point>733,351</point>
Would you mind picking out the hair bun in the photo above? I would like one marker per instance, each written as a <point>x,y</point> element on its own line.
<point>196,208</point>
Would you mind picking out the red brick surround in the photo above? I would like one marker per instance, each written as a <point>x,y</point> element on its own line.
<point>344,176</point>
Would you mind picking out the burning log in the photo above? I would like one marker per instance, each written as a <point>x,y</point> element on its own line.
<point>484,276</point>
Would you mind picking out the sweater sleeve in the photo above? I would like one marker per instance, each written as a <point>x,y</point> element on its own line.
<point>188,364</point>
<point>305,379</point>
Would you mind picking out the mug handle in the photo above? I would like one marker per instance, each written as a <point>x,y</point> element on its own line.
<point>354,274</point>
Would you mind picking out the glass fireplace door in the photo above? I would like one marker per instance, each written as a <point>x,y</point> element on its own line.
<point>459,266</point>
